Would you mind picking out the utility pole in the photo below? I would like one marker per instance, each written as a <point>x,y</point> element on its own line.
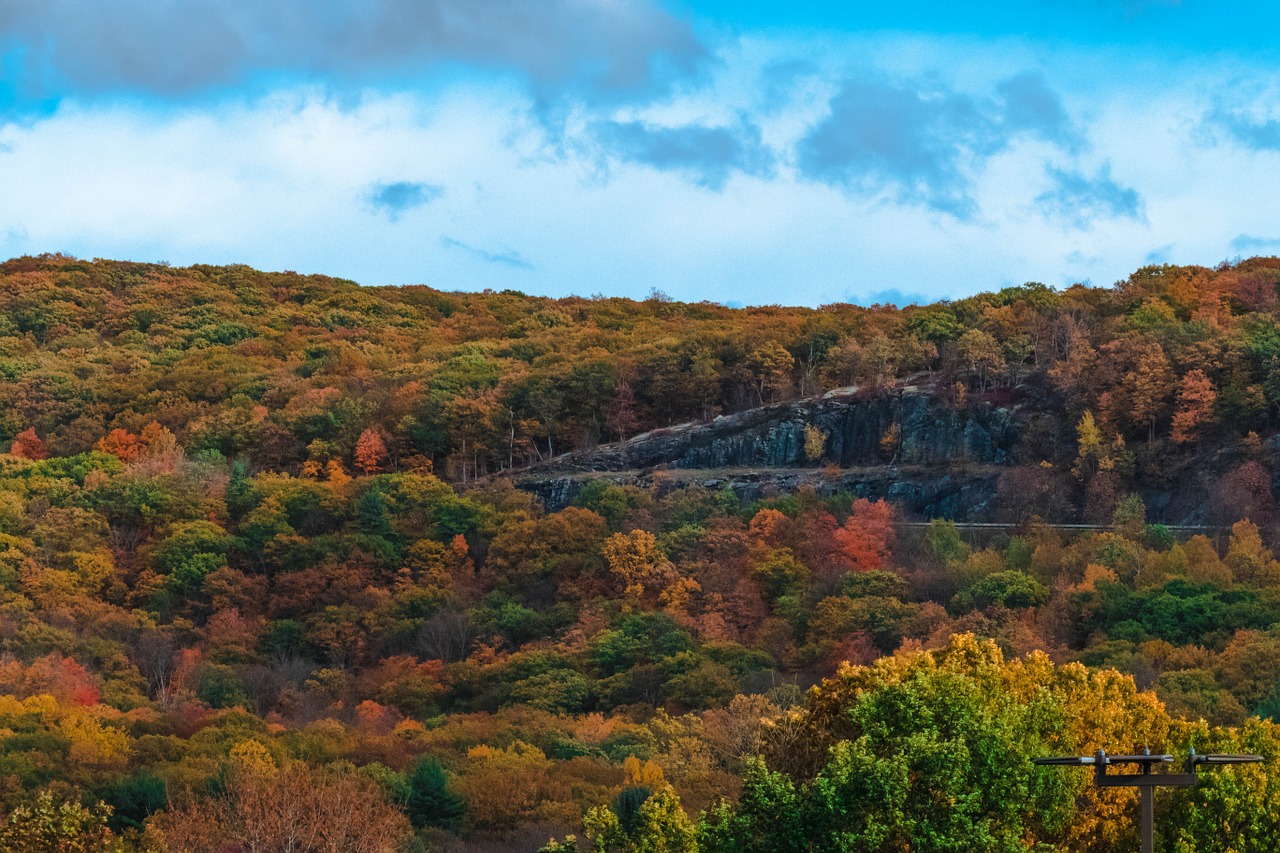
<point>1145,780</point>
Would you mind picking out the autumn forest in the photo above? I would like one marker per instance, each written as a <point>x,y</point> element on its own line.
<point>287,563</point>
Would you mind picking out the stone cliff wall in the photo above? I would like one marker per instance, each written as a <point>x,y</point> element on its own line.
<point>969,495</point>
<point>933,432</point>
<point>946,463</point>
<point>950,462</point>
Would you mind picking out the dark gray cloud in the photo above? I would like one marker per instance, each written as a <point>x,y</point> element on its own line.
<point>170,48</point>
<point>882,136</point>
<point>924,144</point>
<point>397,197</point>
<point>708,155</point>
<point>1030,105</point>
<point>1245,129</point>
<point>1082,200</point>
<point>508,258</point>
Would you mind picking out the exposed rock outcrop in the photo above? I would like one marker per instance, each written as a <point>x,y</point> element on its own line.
<point>1001,458</point>
<point>853,423</point>
<point>904,444</point>
<point>967,494</point>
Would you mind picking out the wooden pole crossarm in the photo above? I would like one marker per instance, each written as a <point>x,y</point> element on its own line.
<point>1145,780</point>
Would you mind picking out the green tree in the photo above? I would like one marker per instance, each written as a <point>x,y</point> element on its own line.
<point>42,825</point>
<point>136,798</point>
<point>931,752</point>
<point>768,816</point>
<point>1231,809</point>
<point>428,800</point>
<point>935,766</point>
<point>982,354</point>
<point>1130,517</point>
<point>659,825</point>
<point>944,541</point>
<point>1006,589</point>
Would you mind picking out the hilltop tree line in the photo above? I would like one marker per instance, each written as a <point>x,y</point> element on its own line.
<point>288,372</point>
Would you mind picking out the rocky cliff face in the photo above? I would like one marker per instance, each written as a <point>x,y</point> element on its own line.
<point>964,495</point>
<point>981,461</point>
<point>945,463</point>
<point>853,425</point>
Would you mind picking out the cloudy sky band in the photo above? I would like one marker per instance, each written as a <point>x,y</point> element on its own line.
<point>617,145</point>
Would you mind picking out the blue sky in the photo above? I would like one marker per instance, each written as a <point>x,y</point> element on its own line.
<point>743,152</point>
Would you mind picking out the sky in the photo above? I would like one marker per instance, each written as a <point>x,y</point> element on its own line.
<point>738,151</point>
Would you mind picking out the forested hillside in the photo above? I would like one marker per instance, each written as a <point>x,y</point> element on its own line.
<point>277,562</point>
<point>1178,369</point>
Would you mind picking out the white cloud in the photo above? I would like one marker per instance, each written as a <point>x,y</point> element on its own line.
<point>284,181</point>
